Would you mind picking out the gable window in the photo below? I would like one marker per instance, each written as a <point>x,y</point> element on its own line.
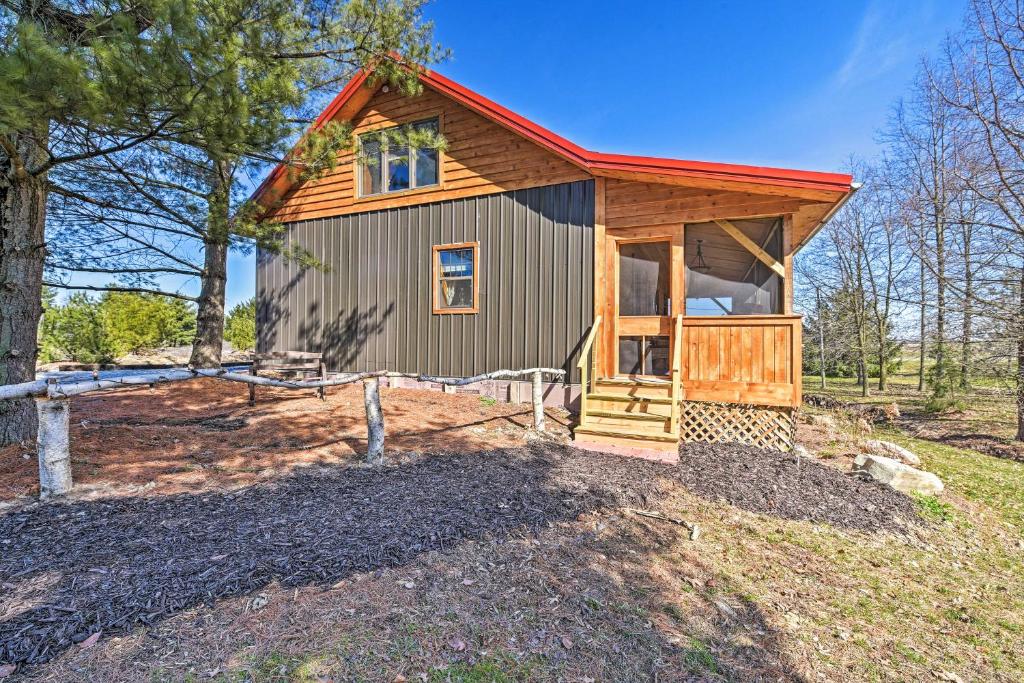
<point>455,278</point>
<point>387,166</point>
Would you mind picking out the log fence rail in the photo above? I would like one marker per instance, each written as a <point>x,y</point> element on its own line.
<point>53,405</point>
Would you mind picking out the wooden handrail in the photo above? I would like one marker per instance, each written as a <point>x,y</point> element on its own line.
<point>677,372</point>
<point>582,365</point>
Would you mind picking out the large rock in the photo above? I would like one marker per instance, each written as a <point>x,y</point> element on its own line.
<point>889,449</point>
<point>897,475</point>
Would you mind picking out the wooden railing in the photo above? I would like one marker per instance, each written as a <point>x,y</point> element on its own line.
<point>677,372</point>
<point>742,359</point>
<point>583,363</point>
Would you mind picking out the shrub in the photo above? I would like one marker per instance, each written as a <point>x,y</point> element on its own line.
<point>90,330</point>
<point>240,326</point>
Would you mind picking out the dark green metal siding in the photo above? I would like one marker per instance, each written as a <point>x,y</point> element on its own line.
<point>371,309</point>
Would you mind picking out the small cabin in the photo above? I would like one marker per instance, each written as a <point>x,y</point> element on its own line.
<point>663,287</point>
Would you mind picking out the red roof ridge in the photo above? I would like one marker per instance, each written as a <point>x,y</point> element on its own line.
<point>587,159</point>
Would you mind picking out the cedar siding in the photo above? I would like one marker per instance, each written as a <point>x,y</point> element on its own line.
<point>482,158</point>
<point>372,308</point>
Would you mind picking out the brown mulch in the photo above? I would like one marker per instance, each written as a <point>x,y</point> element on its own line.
<point>72,570</point>
<point>773,483</point>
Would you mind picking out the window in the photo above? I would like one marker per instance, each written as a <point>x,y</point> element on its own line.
<point>724,278</point>
<point>387,166</point>
<point>455,278</point>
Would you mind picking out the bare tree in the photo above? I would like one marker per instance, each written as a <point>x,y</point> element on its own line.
<point>981,81</point>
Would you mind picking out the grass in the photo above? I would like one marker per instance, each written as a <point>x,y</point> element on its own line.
<point>933,508</point>
<point>699,658</point>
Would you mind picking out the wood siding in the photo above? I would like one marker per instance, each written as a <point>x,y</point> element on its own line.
<point>372,309</point>
<point>636,204</point>
<point>482,158</point>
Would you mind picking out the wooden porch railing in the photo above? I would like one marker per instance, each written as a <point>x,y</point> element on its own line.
<point>747,359</point>
<point>677,372</point>
<point>583,364</point>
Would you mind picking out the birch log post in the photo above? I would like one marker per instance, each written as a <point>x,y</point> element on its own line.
<point>538,401</point>
<point>53,446</point>
<point>374,422</point>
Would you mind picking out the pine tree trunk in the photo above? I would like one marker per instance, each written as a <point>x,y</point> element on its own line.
<point>209,341</point>
<point>22,254</point>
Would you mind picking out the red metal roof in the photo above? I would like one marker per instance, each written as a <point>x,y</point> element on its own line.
<point>595,162</point>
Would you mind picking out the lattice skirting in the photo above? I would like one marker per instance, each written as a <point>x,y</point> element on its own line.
<point>761,426</point>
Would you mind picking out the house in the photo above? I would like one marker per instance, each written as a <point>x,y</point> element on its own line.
<point>663,287</point>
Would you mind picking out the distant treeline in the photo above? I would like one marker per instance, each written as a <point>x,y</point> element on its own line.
<point>101,329</point>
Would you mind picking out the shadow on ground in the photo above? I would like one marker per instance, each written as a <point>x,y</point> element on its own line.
<point>70,570</point>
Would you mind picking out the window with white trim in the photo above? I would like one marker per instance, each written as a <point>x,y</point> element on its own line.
<point>388,166</point>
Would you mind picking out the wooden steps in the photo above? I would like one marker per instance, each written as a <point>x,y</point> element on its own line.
<point>634,412</point>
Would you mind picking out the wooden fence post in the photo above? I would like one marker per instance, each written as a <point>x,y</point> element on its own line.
<point>374,422</point>
<point>52,446</point>
<point>538,401</point>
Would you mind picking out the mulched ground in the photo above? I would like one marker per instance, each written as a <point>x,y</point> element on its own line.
<point>774,483</point>
<point>190,502</point>
<point>72,570</point>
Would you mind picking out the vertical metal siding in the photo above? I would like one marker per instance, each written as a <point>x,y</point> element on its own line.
<point>371,308</point>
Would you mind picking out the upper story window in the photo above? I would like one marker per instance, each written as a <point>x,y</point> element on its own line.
<point>388,164</point>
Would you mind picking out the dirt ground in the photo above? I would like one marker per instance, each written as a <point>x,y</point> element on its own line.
<point>203,434</point>
<point>207,540</point>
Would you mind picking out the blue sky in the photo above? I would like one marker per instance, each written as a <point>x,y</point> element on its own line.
<point>791,84</point>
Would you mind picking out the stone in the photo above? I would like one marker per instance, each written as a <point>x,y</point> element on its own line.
<point>892,450</point>
<point>821,421</point>
<point>897,475</point>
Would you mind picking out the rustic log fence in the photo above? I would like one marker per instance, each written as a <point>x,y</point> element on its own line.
<point>53,400</point>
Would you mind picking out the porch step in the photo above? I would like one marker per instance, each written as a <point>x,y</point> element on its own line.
<point>660,400</point>
<point>623,415</point>
<point>636,381</point>
<point>617,436</point>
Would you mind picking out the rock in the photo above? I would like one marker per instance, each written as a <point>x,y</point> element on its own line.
<point>800,451</point>
<point>897,475</point>
<point>821,421</point>
<point>892,450</point>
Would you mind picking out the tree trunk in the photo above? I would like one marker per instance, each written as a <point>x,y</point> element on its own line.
<point>209,341</point>
<point>922,352</point>
<point>1020,361</point>
<point>965,344</point>
<point>22,254</point>
<point>821,338</point>
<point>883,374</point>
